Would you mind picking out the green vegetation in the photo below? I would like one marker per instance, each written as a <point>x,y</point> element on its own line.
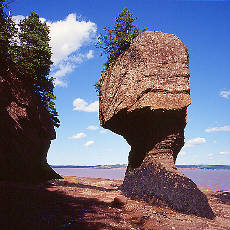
<point>26,53</point>
<point>7,31</point>
<point>116,40</point>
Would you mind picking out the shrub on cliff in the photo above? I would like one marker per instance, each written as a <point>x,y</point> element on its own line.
<point>28,52</point>
<point>116,40</point>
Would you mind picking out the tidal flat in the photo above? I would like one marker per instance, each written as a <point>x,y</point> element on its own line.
<point>209,179</point>
<point>96,203</point>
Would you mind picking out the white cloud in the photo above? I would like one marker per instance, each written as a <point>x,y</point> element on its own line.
<point>79,136</point>
<point>61,72</point>
<point>182,153</point>
<point>42,20</point>
<point>195,141</point>
<point>17,18</point>
<point>69,35</point>
<point>217,129</point>
<point>92,127</point>
<point>66,39</point>
<point>223,153</point>
<point>81,105</point>
<point>225,94</point>
<point>88,143</point>
<point>89,55</point>
<point>103,131</point>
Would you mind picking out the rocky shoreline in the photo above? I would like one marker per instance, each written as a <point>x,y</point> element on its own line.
<point>95,203</point>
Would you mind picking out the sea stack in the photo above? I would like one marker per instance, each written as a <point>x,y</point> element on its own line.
<point>26,132</point>
<point>144,97</point>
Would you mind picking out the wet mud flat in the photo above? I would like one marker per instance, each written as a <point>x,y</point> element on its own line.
<point>95,203</point>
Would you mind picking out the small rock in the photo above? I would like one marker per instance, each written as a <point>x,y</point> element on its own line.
<point>119,202</point>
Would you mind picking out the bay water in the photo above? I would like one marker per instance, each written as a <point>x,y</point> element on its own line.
<point>204,178</point>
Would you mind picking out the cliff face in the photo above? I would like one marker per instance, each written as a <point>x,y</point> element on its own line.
<point>26,133</point>
<point>144,97</point>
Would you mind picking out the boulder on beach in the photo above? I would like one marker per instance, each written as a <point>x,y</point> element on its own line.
<point>144,97</point>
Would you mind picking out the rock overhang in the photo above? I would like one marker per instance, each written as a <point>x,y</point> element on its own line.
<point>152,73</point>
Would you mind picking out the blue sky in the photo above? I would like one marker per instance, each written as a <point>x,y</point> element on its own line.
<point>203,26</point>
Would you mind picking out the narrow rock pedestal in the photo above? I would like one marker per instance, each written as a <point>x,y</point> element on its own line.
<point>151,174</point>
<point>144,97</point>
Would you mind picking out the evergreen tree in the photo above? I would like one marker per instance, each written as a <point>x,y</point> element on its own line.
<point>4,40</point>
<point>116,40</point>
<point>29,54</point>
<point>33,57</point>
<point>7,31</point>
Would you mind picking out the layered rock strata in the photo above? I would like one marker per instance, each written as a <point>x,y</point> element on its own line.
<point>26,132</point>
<point>144,97</point>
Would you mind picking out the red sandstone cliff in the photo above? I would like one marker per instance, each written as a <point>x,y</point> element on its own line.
<point>25,133</point>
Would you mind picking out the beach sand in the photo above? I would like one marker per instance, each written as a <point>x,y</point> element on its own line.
<point>88,203</point>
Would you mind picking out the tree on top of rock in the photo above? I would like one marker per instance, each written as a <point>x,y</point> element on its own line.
<point>33,57</point>
<point>116,40</point>
<point>28,54</point>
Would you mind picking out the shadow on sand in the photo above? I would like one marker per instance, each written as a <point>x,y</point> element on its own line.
<point>33,207</point>
<point>79,185</point>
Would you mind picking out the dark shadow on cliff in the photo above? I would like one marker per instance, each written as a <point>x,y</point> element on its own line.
<point>33,207</point>
<point>79,185</point>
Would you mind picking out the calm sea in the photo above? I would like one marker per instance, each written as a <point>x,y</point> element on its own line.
<point>205,179</point>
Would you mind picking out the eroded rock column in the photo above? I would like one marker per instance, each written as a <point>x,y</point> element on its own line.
<point>151,174</point>
<point>144,97</point>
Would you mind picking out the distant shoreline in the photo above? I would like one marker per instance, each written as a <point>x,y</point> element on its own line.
<point>123,166</point>
<point>203,168</point>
